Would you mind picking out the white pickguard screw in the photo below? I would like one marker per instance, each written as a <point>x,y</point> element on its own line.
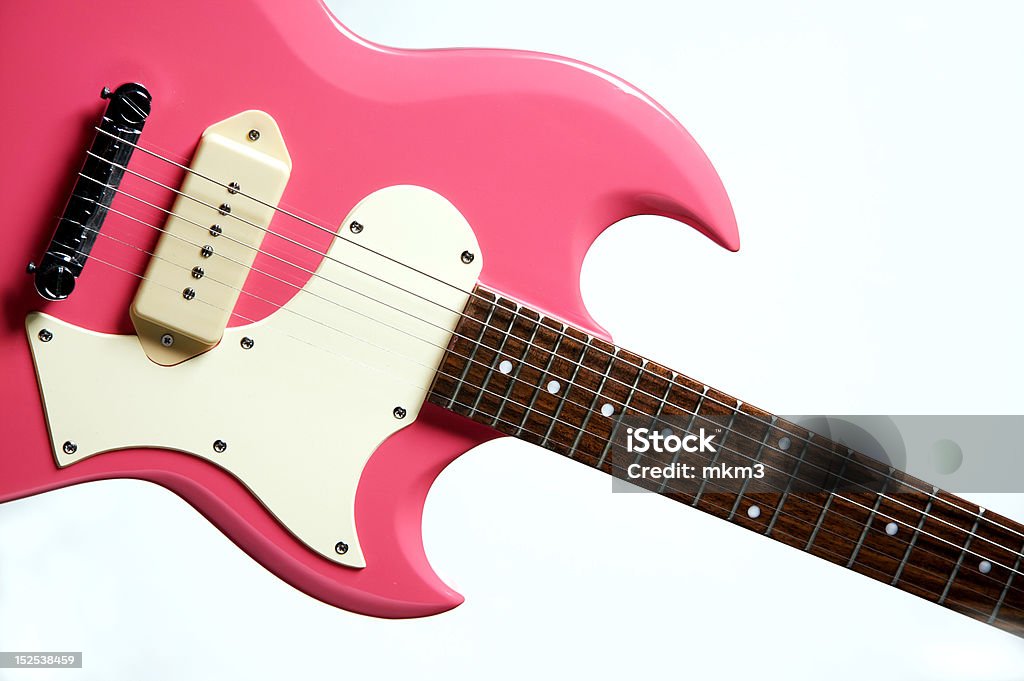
<point>399,412</point>
<point>220,446</point>
<point>70,447</point>
<point>341,548</point>
<point>253,135</point>
<point>247,343</point>
<point>467,257</point>
<point>355,227</point>
<point>45,335</point>
<point>167,340</point>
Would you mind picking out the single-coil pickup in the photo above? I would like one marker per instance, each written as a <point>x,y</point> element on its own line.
<point>212,235</point>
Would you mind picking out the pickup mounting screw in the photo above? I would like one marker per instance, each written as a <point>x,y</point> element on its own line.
<point>189,293</point>
<point>356,227</point>
<point>254,135</point>
<point>198,272</point>
<point>341,548</point>
<point>70,447</point>
<point>45,335</point>
<point>105,93</point>
<point>467,257</point>
<point>30,268</point>
<point>224,209</point>
<point>206,251</point>
<point>220,446</point>
<point>247,343</point>
<point>234,188</point>
<point>399,412</point>
<point>167,340</point>
<point>215,230</point>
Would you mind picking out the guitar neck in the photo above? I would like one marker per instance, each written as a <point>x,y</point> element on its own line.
<point>537,379</point>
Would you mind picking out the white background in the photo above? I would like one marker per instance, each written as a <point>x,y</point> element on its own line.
<point>874,157</point>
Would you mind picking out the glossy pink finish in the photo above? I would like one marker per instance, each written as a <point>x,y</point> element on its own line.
<point>540,153</point>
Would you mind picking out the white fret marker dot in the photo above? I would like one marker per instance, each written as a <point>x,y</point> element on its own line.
<point>891,529</point>
<point>554,387</point>
<point>985,567</point>
<point>607,409</point>
<point>754,511</point>
<point>784,443</point>
<point>665,432</point>
<point>505,367</point>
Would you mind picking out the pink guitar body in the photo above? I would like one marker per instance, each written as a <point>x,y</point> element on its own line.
<point>539,153</point>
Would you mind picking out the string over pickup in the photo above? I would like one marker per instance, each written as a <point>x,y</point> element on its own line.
<point>119,129</point>
<point>212,235</point>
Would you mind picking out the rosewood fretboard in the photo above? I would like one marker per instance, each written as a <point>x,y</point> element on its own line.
<point>542,381</point>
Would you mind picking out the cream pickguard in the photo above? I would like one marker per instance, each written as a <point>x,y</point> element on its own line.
<point>300,411</point>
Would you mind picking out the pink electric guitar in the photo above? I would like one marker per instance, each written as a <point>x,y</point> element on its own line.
<point>291,275</point>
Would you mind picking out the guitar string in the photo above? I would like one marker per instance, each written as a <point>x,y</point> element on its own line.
<point>521,427</point>
<point>887,475</point>
<point>570,382</point>
<point>862,464</point>
<point>778,511</point>
<point>336,235</point>
<point>256,297</point>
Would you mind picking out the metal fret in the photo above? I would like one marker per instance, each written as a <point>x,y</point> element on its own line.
<point>756,459</point>
<point>1006,589</point>
<point>565,395</point>
<point>789,485</point>
<point>960,560</point>
<point>828,504</point>
<point>657,412</point>
<point>597,395</point>
<point>625,408</point>
<point>913,539</point>
<point>472,356</point>
<point>514,376</point>
<point>689,427</point>
<point>871,519</point>
<point>721,447</point>
<point>497,358</point>
<point>540,385</point>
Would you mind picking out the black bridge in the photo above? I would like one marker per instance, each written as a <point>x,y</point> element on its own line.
<point>119,130</point>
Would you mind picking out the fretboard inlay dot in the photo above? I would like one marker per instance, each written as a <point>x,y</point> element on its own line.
<point>985,567</point>
<point>607,409</point>
<point>754,511</point>
<point>891,529</point>
<point>784,443</point>
<point>554,387</point>
<point>505,367</point>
